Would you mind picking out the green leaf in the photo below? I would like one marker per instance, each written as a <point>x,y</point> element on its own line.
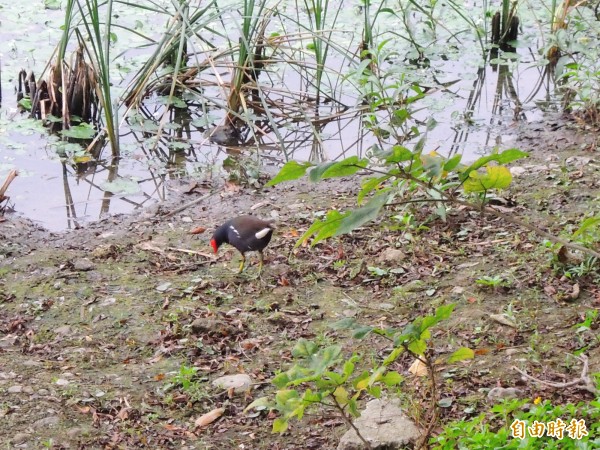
<point>323,229</point>
<point>348,166</point>
<point>362,215</point>
<point>283,397</point>
<point>291,170</point>
<point>348,323</point>
<point>452,163</point>
<point>496,177</point>
<point>397,154</point>
<point>304,349</point>
<point>280,425</point>
<point>335,377</point>
<point>326,358</point>
<point>317,172</point>
<point>362,331</point>
<point>369,185</point>
<point>510,155</point>
<point>393,356</point>
<point>392,378</point>
<point>418,347</point>
<point>348,368</point>
<point>461,354</point>
<point>281,380</point>
<point>341,395</point>
<point>445,311</point>
<point>375,391</point>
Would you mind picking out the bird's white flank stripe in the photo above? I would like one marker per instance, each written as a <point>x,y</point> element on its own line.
<point>262,233</point>
<point>234,230</point>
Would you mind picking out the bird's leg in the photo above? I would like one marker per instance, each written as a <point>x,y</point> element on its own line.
<point>242,263</point>
<point>260,261</point>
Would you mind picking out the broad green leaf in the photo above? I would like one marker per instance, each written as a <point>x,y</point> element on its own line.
<point>397,154</point>
<point>376,376</point>
<point>317,171</point>
<point>418,347</point>
<point>445,311</point>
<point>341,395</point>
<point>510,155</point>
<point>348,368</point>
<point>369,185</point>
<point>281,380</point>
<point>323,229</point>
<point>122,186</point>
<point>291,170</point>
<point>452,163</point>
<point>496,177</point>
<point>353,407</point>
<point>304,349</point>
<point>280,425</point>
<point>312,397</point>
<point>362,215</point>
<point>362,331</point>
<point>375,391</point>
<point>82,131</point>
<point>392,378</point>
<point>348,166</point>
<point>335,377</point>
<point>284,396</point>
<point>461,354</point>
<point>325,358</point>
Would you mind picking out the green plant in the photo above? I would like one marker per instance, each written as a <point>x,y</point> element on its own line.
<point>501,426</point>
<point>185,377</point>
<point>492,281</point>
<point>324,377</point>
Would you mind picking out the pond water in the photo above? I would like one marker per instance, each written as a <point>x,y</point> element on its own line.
<point>475,107</point>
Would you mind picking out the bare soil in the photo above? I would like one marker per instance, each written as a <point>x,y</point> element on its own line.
<point>96,323</point>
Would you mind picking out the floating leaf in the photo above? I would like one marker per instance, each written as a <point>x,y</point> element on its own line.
<point>122,186</point>
<point>82,131</point>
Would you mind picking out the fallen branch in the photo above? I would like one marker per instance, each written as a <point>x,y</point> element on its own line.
<point>187,205</point>
<point>583,382</point>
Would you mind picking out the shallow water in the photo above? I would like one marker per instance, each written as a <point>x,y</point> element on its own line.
<point>475,109</point>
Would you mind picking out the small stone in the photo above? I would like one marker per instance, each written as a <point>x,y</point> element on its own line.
<point>43,392</point>
<point>83,265</point>
<point>19,438</point>
<point>27,390</point>
<point>46,422</point>
<point>240,383</point>
<point>212,326</point>
<point>64,330</point>
<point>498,394</point>
<point>384,425</point>
<point>62,382</point>
<point>391,255</point>
<point>386,306</point>
<point>457,290</point>
<point>15,389</point>
<point>74,432</point>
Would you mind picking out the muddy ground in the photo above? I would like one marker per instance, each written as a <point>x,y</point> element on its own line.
<point>96,323</point>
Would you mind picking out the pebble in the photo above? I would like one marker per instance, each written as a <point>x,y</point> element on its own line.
<point>46,422</point>
<point>15,389</point>
<point>83,265</point>
<point>19,438</point>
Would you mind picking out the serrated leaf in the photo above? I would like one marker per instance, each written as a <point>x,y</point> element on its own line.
<point>418,347</point>
<point>304,348</point>
<point>461,354</point>
<point>496,177</point>
<point>291,170</point>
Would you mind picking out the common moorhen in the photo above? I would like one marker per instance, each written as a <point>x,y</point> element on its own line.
<point>247,234</point>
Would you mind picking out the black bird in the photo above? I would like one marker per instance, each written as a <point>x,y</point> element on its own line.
<point>247,234</point>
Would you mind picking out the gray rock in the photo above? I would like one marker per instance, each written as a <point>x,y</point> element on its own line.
<point>46,422</point>
<point>65,329</point>
<point>240,383</point>
<point>15,389</point>
<point>82,265</point>
<point>498,394</point>
<point>383,425</point>
<point>391,255</point>
<point>19,438</point>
